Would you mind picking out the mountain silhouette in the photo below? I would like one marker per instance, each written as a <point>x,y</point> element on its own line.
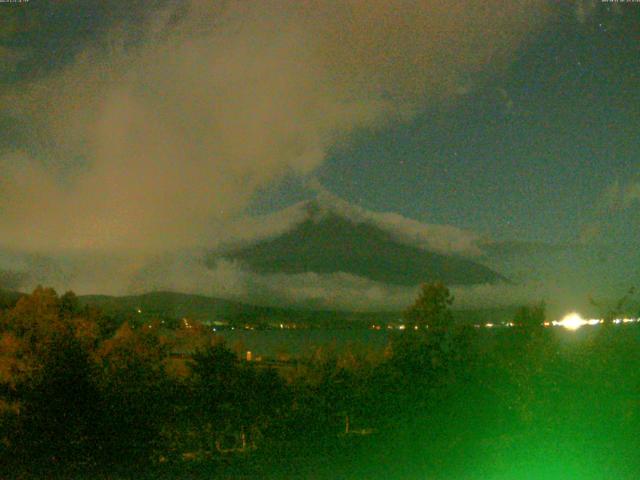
<point>326,242</point>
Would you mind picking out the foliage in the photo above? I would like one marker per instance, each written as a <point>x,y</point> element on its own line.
<point>432,308</point>
<point>79,401</point>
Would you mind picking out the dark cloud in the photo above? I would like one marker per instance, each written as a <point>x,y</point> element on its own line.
<point>155,140</point>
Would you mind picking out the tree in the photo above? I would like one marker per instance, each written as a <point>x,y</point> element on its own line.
<point>623,306</point>
<point>431,309</point>
<point>69,305</point>
<point>45,380</point>
<point>131,383</point>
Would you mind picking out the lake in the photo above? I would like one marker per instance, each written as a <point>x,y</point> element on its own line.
<point>297,342</point>
<point>269,343</point>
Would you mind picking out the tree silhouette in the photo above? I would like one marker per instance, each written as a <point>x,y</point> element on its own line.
<point>69,305</point>
<point>432,308</point>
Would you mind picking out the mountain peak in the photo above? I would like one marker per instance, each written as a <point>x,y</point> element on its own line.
<point>336,237</point>
<point>443,239</point>
<point>324,205</point>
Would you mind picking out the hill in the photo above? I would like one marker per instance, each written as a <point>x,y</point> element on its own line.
<point>207,309</point>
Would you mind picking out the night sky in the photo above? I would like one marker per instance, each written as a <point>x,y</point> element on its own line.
<point>531,153</point>
<point>139,128</point>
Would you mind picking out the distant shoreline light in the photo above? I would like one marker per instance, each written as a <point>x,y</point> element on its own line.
<point>572,321</point>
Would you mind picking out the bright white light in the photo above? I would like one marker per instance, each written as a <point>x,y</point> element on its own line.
<point>573,321</point>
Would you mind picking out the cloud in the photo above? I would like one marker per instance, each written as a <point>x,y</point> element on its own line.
<point>564,280</point>
<point>158,142</point>
<point>339,290</point>
<point>500,295</point>
<point>186,272</point>
<point>445,239</point>
<point>250,229</point>
<point>616,198</point>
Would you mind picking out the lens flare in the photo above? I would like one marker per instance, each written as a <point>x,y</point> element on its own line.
<point>572,321</point>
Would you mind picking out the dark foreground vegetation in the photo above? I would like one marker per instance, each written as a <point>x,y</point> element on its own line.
<point>82,396</point>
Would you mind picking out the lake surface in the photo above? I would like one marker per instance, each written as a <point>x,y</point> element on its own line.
<point>269,343</point>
